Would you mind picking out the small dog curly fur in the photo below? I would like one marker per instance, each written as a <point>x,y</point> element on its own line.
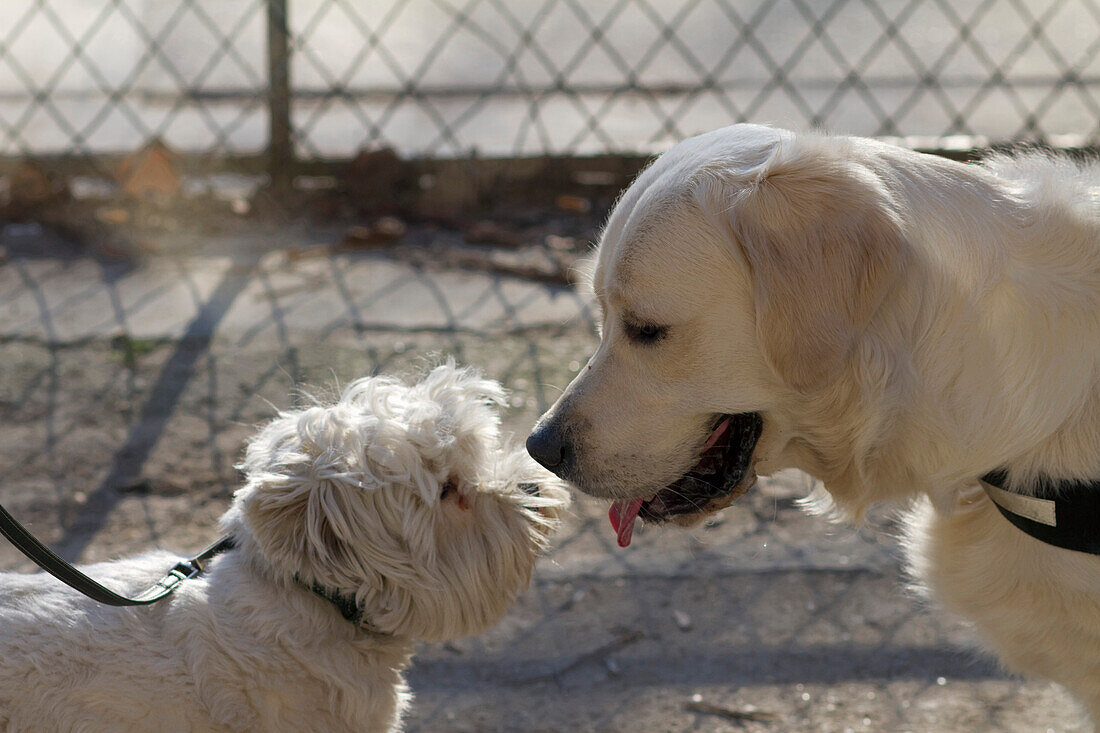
<point>403,498</point>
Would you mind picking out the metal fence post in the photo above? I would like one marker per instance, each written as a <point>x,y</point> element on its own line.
<point>280,152</point>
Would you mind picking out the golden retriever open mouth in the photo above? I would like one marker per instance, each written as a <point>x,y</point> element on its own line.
<point>723,472</point>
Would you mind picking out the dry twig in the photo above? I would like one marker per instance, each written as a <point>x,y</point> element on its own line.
<point>740,716</point>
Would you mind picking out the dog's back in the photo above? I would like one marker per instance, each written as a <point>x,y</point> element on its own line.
<point>224,652</point>
<point>67,660</point>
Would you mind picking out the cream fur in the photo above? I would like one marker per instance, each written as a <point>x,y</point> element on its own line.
<point>349,495</point>
<point>903,323</point>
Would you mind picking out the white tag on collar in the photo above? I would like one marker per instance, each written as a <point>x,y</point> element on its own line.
<point>1031,507</point>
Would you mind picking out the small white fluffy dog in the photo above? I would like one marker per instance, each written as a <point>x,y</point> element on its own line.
<point>896,324</point>
<point>403,500</point>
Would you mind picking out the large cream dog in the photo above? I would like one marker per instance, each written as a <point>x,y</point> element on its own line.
<point>895,324</point>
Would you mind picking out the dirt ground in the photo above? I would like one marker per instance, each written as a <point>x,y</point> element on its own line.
<point>128,389</point>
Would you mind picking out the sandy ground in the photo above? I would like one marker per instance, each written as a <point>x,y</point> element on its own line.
<point>127,391</point>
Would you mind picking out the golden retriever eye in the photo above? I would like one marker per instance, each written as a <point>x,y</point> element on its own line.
<point>644,333</point>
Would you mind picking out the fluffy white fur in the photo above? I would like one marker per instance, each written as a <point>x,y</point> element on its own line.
<point>902,322</point>
<point>404,497</point>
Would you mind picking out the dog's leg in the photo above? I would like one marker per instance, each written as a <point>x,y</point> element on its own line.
<point>1036,605</point>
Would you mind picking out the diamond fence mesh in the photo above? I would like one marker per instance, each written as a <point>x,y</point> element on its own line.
<point>455,78</point>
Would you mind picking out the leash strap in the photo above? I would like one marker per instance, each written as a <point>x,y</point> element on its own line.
<point>52,563</point>
<point>1070,520</point>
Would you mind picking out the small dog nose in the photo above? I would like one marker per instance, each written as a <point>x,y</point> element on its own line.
<point>545,444</point>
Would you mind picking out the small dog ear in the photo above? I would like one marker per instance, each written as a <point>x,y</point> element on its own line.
<point>824,248</point>
<point>293,522</point>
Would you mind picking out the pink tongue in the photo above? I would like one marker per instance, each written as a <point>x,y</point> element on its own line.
<point>718,433</point>
<point>622,514</point>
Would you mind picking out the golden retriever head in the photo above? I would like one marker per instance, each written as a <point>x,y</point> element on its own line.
<point>734,278</point>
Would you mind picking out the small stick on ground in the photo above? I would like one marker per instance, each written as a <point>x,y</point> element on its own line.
<point>599,652</point>
<point>740,716</point>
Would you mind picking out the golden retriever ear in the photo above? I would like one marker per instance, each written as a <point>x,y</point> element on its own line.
<point>824,248</point>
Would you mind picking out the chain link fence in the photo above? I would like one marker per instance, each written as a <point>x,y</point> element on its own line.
<point>455,78</point>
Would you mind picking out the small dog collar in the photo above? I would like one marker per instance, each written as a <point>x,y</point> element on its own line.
<point>1070,520</point>
<point>345,604</point>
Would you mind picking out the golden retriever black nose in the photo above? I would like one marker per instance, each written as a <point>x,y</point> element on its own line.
<point>548,446</point>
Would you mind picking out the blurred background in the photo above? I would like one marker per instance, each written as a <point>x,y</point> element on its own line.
<point>207,205</point>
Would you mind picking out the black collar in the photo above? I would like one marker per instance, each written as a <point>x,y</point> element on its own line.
<point>1070,520</point>
<point>345,604</point>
